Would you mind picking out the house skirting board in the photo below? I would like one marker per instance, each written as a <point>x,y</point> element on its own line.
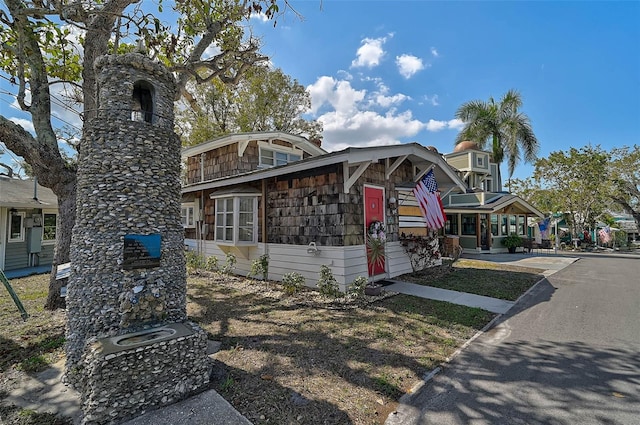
<point>346,262</point>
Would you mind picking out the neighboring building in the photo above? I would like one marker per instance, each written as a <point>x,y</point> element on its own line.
<point>483,215</point>
<point>282,195</point>
<point>28,216</point>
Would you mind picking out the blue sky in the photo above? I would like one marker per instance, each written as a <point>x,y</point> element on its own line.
<point>385,72</point>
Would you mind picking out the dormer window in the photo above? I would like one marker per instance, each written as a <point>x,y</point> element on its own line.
<point>142,102</point>
<point>272,155</point>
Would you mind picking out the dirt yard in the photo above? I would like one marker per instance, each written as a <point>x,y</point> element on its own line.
<point>284,359</point>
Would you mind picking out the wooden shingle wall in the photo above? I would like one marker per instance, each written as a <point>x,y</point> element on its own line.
<point>311,206</point>
<point>222,162</point>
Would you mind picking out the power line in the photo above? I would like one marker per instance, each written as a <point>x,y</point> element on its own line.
<point>53,116</point>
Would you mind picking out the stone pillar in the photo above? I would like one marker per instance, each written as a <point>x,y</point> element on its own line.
<point>128,271</point>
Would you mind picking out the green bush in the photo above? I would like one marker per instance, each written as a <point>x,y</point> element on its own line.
<point>211,264</point>
<point>230,263</point>
<point>327,284</point>
<point>512,241</point>
<point>292,282</point>
<point>357,286</point>
<point>260,267</point>
<point>194,260</point>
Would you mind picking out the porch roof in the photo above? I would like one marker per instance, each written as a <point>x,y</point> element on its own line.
<point>418,155</point>
<point>15,193</point>
<point>502,204</point>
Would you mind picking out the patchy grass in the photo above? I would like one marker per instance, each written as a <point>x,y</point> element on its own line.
<point>28,347</point>
<point>37,342</point>
<point>284,359</point>
<point>307,359</point>
<point>17,416</point>
<point>486,278</point>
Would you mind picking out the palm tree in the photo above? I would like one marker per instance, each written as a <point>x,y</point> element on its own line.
<point>508,129</point>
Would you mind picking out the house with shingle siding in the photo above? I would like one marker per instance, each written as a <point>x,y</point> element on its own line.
<point>282,195</point>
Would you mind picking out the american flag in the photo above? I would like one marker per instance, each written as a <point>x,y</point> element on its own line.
<point>605,234</point>
<point>426,193</point>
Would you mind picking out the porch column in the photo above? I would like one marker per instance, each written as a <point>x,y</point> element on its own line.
<point>478,232</point>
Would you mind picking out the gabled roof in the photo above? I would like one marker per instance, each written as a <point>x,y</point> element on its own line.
<point>501,203</point>
<point>298,141</point>
<point>420,156</point>
<point>15,193</point>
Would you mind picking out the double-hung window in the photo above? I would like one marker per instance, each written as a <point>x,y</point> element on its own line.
<point>237,220</point>
<point>187,215</point>
<point>49,220</point>
<point>16,227</point>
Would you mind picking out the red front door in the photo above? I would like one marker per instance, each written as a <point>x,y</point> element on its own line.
<point>374,211</point>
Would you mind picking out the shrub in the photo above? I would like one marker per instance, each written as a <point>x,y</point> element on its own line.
<point>327,283</point>
<point>292,282</point>
<point>211,264</point>
<point>357,286</point>
<point>194,260</point>
<point>230,263</point>
<point>512,241</point>
<point>260,266</point>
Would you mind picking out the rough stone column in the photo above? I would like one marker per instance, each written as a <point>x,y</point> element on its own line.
<point>128,189</point>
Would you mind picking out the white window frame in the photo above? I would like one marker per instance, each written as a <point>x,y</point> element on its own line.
<point>277,149</point>
<point>22,216</point>
<point>49,241</point>
<point>188,218</point>
<point>222,214</point>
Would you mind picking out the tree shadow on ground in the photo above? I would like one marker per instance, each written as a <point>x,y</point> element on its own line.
<point>514,381</point>
<point>275,352</point>
<point>275,403</point>
<point>32,356</point>
<point>544,382</point>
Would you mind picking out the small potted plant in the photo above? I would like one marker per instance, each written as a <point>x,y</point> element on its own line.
<point>512,242</point>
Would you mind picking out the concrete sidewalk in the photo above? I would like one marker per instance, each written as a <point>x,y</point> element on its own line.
<point>547,264</point>
<point>45,392</point>
<point>493,305</point>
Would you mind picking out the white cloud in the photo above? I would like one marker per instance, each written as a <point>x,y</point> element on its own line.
<point>337,93</point>
<point>259,17</point>
<point>345,75</point>
<point>26,124</point>
<point>434,52</point>
<point>455,124</point>
<point>370,53</point>
<point>408,65</point>
<point>388,101</point>
<point>367,128</point>
<point>359,118</point>
<point>433,99</point>
<point>435,126</point>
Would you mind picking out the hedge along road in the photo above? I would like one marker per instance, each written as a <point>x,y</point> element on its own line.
<point>565,354</point>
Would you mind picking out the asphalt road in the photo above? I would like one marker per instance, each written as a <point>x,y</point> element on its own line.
<point>569,353</point>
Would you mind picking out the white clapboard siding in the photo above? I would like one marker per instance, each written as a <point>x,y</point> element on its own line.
<point>346,263</point>
<point>398,262</point>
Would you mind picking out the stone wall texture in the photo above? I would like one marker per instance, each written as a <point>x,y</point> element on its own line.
<point>147,376</point>
<point>128,184</point>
